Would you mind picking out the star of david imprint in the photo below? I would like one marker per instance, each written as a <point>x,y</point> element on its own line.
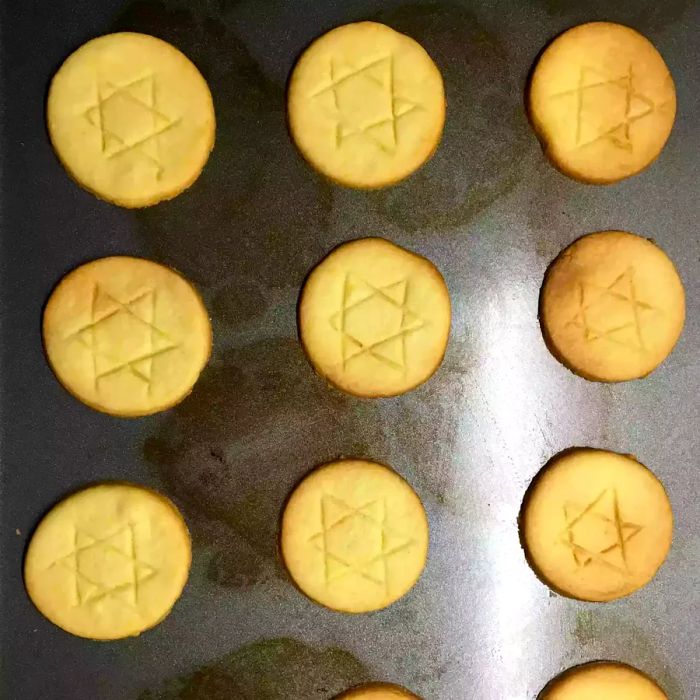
<point>105,567</point>
<point>129,119</point>
<point>610,528</point>
<point>340,524</point>
<point>631,107</point>
<point>622,290</point>
<point>357,339</point>
<point>139,314</point>
<point>381,112</point>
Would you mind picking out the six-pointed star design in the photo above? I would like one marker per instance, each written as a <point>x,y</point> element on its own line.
<point>593,298</point>
<point>138,314</point>
<point>602,515</point>
<point>387,344</point>
<point>382,107</point>
<point>129,119</point>
<point>357,540</point>
<point>629,108</point>
<point>119,579</point>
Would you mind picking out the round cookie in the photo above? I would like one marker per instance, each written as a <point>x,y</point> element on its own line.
<point>602,102</point>
<point>612,306</point>
<point>374,318</point>
<point>109,561</point>
<point>596,525</point>
<point>602,680</point>
<point>378,691</point>
<point>366,105</point>
<point>131,119</point>
<point>354,536</point>
<point>126,336</point>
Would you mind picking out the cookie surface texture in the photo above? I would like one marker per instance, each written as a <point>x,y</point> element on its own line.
<point>109,561</point>
<point>131,119</point>
<point>602,681</point>
<point>602,101</point>
<point>596,525</point>
<point>126,336</point>
<point>374,318</point>
<point>354,536</point>
<point>378,691</point>
<point>366,105</point>
<point>612,306</point>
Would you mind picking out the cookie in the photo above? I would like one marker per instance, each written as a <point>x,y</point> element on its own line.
<point>602,102</point>
<point>109,561</point>
<point>378,691</point>
<point>354,536</point>
<point>366,105</point>
<point>602,680</point>
<point>126,336</point>
<point>612,306</point>
<point>131,119</point>
<point>374,318</point>
<point>596,525</point>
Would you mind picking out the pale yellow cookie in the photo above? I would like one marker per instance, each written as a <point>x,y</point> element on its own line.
<point>131,119</point>
<point>378,691</point>
<point>126,336</point>
<point>374,318</point>
<point>612,306</point>
<point>366,105</point>
<point>602,102</point>
<point>596,525</point>
<point>109,561</point>
<point>602,680</point>
<point>354,536</point>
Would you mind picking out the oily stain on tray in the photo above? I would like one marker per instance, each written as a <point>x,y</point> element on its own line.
<point>257,421</point>
<point>486,133</point>
<point>255,219</point>
<point>276,669</point>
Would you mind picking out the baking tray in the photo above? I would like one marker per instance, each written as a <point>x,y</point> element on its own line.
<point>491,213</point>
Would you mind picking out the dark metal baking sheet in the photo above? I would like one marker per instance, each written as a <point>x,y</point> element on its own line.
<point>491,213</point>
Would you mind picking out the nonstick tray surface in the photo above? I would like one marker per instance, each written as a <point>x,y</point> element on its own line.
<point>491,213</point>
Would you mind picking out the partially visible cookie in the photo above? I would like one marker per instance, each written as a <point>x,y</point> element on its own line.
<point>602,101</point>
<point>378,691</point>
<point>596,525</point>
<point>366,105</point>
<point>602,680</point>
<point>374,318</point>
<point>131,119</point>
<point>126,336</point>
<point>354,536</point>
<point>612,306</point>
<point>108,561</point>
